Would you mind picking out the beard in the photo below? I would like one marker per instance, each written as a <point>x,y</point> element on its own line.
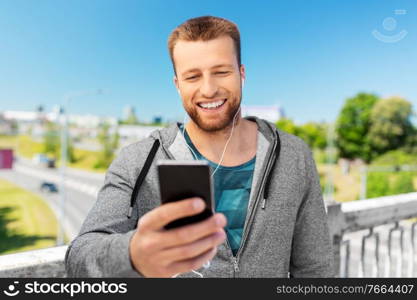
<point>218,123</point>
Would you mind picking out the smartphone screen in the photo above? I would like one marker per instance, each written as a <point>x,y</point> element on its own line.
<point>179,180</point>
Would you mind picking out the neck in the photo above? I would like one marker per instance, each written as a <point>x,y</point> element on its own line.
<point>212,143</point>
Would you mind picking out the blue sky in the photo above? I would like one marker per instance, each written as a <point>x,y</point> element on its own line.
<point>307,56</point>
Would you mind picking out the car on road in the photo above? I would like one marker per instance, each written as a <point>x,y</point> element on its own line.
<point>43,160</point>
<point>48,187</point>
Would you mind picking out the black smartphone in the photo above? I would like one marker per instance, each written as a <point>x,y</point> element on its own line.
<point>182,179</point>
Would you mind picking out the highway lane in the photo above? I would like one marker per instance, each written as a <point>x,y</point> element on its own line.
<point>78,203</point>
<point>73,175</point>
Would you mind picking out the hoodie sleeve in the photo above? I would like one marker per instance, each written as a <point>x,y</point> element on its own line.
<point>312,253</point>
<point>102,247</point>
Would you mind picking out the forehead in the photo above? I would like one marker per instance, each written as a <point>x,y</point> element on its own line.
<point>204,54</point>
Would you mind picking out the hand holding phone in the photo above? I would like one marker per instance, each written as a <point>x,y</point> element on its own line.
<point>180,180</point>
<point>157,252</point>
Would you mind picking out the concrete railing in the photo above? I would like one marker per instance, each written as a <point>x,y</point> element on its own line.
<point>370,214</point>
<point>47,262</point>
<point>344,218</point>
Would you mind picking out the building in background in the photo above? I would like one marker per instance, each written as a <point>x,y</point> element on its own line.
<point>133,133</point>
<point>271,113</point>
<point>33,122</point>
<point>129,115</point>
<point>7,127</point>
<point>157,120</point>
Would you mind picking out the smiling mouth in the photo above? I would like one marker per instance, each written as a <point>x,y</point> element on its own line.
<point>212,105</point>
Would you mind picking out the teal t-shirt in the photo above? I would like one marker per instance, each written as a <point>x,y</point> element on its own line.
<point>232,186</point>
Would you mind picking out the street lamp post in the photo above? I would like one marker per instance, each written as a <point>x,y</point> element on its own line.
<point>62,191</point>
<point>330,161</point>
<point>64,155</point>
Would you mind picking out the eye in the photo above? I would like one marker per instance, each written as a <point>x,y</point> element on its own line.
<point>222,72</point>
<point>191,77</point>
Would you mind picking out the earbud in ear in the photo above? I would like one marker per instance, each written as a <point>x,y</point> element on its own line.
<point>243,82</point>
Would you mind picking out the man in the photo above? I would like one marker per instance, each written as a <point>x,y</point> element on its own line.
<point>270,219</point>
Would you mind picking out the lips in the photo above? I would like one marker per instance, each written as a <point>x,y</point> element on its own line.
<point>212,105</point>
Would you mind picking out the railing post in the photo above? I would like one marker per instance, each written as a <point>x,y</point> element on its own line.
<point>336,223</point>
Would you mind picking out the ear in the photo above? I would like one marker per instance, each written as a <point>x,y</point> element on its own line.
<point>175,80</point>
<point>242,73</point>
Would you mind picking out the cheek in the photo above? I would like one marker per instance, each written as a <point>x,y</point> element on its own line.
<point>232,84</point>
<point>187,93</point>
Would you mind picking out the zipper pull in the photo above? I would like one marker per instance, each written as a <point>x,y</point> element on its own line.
<point>263,203</point>
<point>235,264</point>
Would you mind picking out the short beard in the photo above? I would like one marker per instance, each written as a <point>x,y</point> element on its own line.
<point>222,124</point>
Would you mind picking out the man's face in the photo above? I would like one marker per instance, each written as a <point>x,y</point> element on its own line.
<point>208,75</point>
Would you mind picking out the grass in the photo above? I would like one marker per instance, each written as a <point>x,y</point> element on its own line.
<point>26,221</point>
<point>347,186</point>
<point>27,147</point>
<point>86,160</point>
<point>24,145</point>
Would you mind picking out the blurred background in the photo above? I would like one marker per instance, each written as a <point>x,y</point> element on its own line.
<point>80,80</point>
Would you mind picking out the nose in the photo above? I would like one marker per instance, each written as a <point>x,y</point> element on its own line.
<point>208,87</point>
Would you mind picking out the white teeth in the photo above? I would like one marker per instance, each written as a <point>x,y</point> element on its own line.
<point>212,104</point>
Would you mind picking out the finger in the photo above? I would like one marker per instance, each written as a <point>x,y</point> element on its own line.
<point>193,263</point>
<point>190,233</point>
<point>194,249</point>
<point>166,213</point>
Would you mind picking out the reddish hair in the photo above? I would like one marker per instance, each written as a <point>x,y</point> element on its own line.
<point>204,29</point>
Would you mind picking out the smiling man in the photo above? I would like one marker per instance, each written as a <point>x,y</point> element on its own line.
<point>270,218</point>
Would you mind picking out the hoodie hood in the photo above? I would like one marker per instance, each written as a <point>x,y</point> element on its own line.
<point>170,135</point>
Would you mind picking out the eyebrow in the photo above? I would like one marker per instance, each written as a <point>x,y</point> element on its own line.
<point>214,67</point>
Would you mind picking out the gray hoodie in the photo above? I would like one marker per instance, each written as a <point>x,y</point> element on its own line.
<point>285,232</point>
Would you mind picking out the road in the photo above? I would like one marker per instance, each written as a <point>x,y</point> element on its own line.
<point>81,190</point>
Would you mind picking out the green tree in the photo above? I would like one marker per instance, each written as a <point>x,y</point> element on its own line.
<point>395,158</point>
<point>288,126</point>
<point>109,143</point>
<point>130,118</point>
<point>390,124</point>
<point>353,125</point>
<point>314,134</point>
<point>70,151</point>
<point>51,140</point>
<point>410,145</point>
<point>52,143</point>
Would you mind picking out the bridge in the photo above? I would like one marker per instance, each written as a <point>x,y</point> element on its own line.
<point>371,238</point>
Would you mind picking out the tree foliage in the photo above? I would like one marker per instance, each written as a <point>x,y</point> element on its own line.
<point>109,143</point>
<point>390,124</point>
<point>52,142</point>
<point>314,134</point>
<point>353,125</point>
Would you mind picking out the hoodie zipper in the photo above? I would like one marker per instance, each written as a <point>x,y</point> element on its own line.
<point>235,262</point>
<point>235,259</point>
<point>252,212</point>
